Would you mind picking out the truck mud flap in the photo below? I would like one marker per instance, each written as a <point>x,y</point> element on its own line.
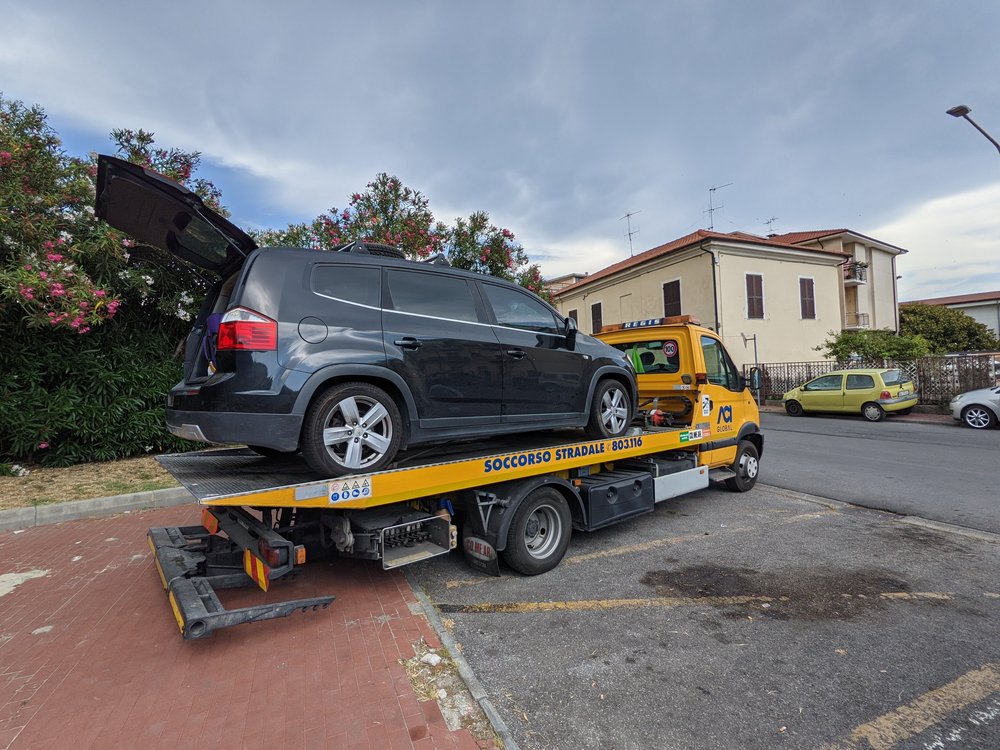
<point>181,555</point>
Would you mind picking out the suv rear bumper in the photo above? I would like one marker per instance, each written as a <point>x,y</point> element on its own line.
<point>278,431</point>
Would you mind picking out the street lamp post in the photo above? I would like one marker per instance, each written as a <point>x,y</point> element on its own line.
<point>962,111</point>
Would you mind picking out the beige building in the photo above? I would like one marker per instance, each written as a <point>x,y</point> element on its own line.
<point>788,295</point>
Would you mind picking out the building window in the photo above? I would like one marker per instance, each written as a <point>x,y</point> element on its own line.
<point>672,298</point>
<point>807,299</point>
<point>574,315</point>
<point>755,296</point>
<point>596,318</point>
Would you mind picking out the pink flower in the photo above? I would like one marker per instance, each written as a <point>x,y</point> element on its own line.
<point>42,275</point>
<point>27,268</point>
<point>42,446</point>
<point>99,293</point>
<point>57,290</point>
<point>48,244</point>
<point>84,329</point>
<point>61,241</point>
<point>84,305</point>
<point>54,257</point>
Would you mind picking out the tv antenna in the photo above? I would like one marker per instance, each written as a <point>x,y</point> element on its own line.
<point>628,219</point>
<point>770,226</point>
<point>711,207</point>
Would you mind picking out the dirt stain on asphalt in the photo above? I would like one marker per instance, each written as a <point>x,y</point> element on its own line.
<point>923,538</point>
<point>802,594</point>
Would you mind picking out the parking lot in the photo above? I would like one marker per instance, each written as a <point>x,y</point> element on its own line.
<point>755,621</point>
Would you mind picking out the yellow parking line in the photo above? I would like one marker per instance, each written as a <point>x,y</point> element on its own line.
<point>596,604</point>
<point>583,605</point>
<point>898,725</point>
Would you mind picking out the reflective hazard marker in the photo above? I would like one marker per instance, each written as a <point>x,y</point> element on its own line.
<point>256,569</point>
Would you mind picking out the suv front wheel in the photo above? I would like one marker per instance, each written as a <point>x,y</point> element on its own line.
<point>353,428</point>
<point>610,411</point>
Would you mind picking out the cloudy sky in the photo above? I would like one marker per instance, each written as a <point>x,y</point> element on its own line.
<point>557,118</point>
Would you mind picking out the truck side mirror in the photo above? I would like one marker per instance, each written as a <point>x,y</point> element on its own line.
<point>754,379</point>
<point>570,334</point>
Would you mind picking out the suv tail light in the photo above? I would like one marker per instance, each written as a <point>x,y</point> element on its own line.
<point>245,329</point>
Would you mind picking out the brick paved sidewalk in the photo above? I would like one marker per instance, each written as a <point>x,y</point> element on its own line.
<point>90,655</point>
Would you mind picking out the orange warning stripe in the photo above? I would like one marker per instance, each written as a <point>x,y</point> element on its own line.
<point>209,521</point>
<point>256,569</point>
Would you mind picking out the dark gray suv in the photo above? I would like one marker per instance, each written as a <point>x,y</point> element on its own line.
<point>351,356</point>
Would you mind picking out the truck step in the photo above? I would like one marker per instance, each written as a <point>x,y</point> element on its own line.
<point>721,474</point>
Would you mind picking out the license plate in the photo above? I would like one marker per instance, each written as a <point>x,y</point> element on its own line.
<point>904,392</point>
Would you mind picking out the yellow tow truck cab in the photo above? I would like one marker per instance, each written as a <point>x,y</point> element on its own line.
<point>686,377</point>
<point>516,499</point>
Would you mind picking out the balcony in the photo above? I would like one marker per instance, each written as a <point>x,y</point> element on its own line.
<point>856,321</point>
<point>855,273</point>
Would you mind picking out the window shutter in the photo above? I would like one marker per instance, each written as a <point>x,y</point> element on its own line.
<point>596,318</point>
<point>573,315</point>
<point>755,296</point>
<point>672,298</point>
<point>807,298</point>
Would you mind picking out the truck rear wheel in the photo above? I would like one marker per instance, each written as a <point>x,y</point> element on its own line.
<point>540,533</point>
<point>746,466</point>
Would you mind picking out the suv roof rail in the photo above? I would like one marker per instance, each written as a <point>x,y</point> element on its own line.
<point>370,248</point>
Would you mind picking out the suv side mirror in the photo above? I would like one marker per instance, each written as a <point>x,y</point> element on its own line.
<point>570,334</point>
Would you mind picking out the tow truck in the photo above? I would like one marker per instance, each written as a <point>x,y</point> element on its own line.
<point>516,499</point>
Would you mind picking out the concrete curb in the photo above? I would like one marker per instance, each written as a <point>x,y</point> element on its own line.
<point>39,515</point>
<point>464,670</point>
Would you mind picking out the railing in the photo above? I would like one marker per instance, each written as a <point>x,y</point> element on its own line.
<point>854,272</point>
<point>937,379</point>
<point>857,320</point>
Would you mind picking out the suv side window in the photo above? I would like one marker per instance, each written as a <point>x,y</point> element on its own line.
<point>432,294</point>
<point>721,370</point>
<point>519,310</point>
<point>349,283</point>
<point>859,382</point>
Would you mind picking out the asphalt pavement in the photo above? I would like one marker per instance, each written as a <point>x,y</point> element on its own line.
<point>943,472</point>
<point>761,620</point>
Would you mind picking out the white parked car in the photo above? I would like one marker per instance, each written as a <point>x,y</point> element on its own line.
<point>977,409</point>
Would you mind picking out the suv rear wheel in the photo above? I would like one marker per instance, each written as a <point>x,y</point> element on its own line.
<point>352,428</point>
<point>610,411</point>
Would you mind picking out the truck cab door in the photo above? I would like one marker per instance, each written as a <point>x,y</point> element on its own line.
<point>719,409</point>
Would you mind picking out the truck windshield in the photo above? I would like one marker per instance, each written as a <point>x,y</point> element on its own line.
<point>651,357</point>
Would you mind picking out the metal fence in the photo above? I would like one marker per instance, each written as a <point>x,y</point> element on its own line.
<point>937,378</point>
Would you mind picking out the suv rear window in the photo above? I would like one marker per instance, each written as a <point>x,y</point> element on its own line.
<point>432,294</point>
<point>348,283</point>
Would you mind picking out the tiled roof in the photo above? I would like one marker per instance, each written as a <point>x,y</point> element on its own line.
<point>796,238</point>
<point>957,300</point>
<point>680,244</point>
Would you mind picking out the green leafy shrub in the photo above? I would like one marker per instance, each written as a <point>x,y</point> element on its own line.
<point>66,399</point>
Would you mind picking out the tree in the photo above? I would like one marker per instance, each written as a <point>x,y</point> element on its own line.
<point>92,318</point>
<point>945,329</point>
<point>477,245</point>
<point>391,213</point>
<point>387,212</point>
<point>868,345</point>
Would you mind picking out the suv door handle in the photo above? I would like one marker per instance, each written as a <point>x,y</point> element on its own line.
<point>408,342</point>
<point>516,353</point>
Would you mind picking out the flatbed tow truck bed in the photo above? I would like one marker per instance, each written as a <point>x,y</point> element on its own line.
<point>518,498</point>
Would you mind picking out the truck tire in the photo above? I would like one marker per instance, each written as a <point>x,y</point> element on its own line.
<point>746,466</point>
<point>540,533</point>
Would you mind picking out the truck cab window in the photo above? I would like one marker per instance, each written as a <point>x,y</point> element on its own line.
<point>721,370</point>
